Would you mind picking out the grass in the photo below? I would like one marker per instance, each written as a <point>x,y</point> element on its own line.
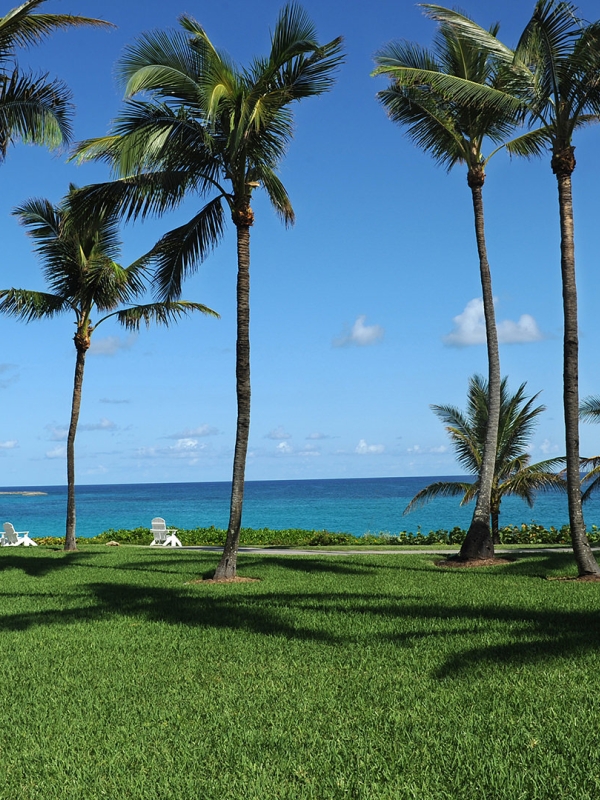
<point>368,677</point>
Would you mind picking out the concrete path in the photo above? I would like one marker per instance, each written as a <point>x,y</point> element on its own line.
<point>401,550</point>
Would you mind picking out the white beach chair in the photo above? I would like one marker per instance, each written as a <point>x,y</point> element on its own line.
<point>163,535</point>
<point>13,538</point>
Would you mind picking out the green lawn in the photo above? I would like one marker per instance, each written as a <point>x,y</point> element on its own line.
<point>364,677</point>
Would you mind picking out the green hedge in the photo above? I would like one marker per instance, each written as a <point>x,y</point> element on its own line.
<point>296,537</point>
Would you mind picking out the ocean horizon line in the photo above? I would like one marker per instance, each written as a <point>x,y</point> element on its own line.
<point>455,476</point>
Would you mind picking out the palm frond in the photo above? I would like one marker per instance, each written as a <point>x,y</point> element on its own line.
<point>34,111</point>
<point>589,409</point>
<point>435,490</point>
<point>531,144</point>
<point>22,28</point>
<point>135,196</point>
<point>27,305</point>
<point>277,193</point>
<point>161,62</point>
<point>159,313</point>
<point>180,251</point>
<point>472,32</point>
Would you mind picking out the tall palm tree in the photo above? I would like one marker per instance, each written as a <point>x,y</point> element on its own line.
<point>513,472</point>
<point>33,109</point>
<point>85,280</point>
<point>556,66</point>
<point>455,132</point>
<point>208,127</point>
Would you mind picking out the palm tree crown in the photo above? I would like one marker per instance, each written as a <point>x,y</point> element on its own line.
<point>206,126</point>
<point>513,473</point>
<point>33,109</point>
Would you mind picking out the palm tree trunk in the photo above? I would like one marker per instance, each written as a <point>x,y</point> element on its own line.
<point>478,541</point>
<point>82,348</point>
<point>227,566</point>
<point>495,530</point>
<point>563,164</point>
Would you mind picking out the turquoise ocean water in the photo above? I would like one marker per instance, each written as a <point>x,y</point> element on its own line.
<point>354,506</point>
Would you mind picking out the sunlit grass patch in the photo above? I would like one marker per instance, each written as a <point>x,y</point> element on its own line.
<point>351,677</point>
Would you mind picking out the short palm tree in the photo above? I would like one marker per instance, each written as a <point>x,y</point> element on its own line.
<point>589,411</point>
<point>455,132</point>
<point>84,280</point>
<point>207,127</point>
<point>556,66</point>
<point>33,109</point>
<point>513,472</point>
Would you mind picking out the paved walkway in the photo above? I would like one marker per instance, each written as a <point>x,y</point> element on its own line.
<point>401,550</point>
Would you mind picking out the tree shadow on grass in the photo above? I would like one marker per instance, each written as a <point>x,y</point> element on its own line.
<point>530,635</point>
<point>337,565</point>
<point>253,614</point>
<point>535,635</point>
<point>37,566</point>
<point>506,632</point>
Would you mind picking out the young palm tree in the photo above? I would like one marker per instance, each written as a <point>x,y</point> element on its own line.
<point>556,66</point>
<point>589,411</point>
<point>208,127</point>
<point>84,280</point>
<point>455,133</point>
<point>31,108</point>
<point>513,472</point>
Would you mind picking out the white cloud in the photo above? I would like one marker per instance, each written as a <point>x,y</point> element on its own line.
<point>58,433</point>
<point>548,448</point>
<point>189,433</point>
<point>114,402</point>
<point>10,445</point>
<point>469,328</point>
<point>525,330</point>
<point>98,470</point>
<point>360,334</point>
<point>183,448</point>
<point>103,425</point>
<point>362,448</point>
<point>309,450</point>
<point>278,433</point>
<point>111,345</point>
<point>417,450</point>
<point>57,452</point>
<point>317,435</point>
<point>284,447</point>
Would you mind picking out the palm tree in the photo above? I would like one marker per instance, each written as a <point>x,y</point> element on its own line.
<point>454,132</point>
<point>33,109</point>
<point>208,127</point>
<point>513,472</point>
<point>84,279</point>
<point>556,66</point>
<point>589,411</point>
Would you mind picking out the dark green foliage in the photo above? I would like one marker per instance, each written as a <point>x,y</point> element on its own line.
<point>296,537</point>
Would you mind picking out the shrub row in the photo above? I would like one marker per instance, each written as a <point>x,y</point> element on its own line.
<point>296,537</point>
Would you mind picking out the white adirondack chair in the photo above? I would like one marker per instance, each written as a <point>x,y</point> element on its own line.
<point>13,538</point>
<point>163,535</point>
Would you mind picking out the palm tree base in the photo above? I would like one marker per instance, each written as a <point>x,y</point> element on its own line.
<point>227,568</point>
<point>478,543</point>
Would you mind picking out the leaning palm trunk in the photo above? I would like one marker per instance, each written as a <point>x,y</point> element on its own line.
<point>563,164</point>
<point>478,542</point>
<point>228,564</point>
<point>82,346</point>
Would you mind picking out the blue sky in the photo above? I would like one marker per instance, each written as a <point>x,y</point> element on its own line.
<point>363,314</point>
